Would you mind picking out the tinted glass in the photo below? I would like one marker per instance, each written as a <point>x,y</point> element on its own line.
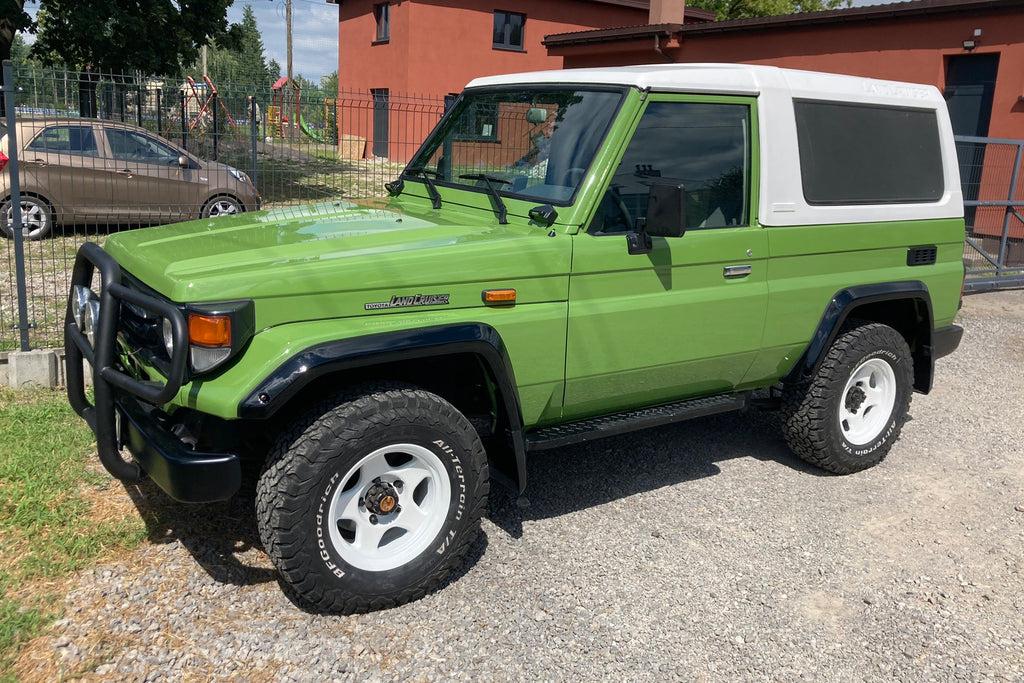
<point>65,140</point>
<point>532,143</point>
<point>705,148</point>
<point>862,154</point>
<point>127,145</point>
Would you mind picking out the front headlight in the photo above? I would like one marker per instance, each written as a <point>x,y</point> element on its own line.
<point>81,296</point>
<point>168,335</point>
<point>91,321</point>
<point>239,175</point>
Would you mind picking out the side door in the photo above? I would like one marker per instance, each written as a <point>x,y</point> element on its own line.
<point>63,164</point>
<point>149,185</point>
<point>686,319</point>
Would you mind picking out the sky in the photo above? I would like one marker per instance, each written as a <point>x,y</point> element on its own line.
<point>314,33</point>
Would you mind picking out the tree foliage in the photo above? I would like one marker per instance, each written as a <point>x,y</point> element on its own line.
<point>152,36</point>
<point>747,9</point>
<point>242,63</point>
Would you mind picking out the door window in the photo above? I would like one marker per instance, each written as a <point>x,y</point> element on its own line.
<point>702,147</point>
<point>127,145</point>
<point>65,140</point>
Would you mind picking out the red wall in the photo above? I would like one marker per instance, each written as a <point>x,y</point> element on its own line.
<point>437,46</point>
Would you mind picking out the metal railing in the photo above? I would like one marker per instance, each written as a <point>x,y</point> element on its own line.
<point>991,179</point>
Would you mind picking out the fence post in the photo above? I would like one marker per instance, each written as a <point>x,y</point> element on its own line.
<point>254,129</point>
<point>139,103</point>
<point>1009,211</point>
<point>12,170</point>
<point>184,122</point>
<point>216,132</point>
<point>159,107</point>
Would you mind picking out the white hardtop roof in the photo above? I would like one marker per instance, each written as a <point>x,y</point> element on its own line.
<point>733,79</point>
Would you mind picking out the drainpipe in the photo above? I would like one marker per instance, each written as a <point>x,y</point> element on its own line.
<point>657,48</point>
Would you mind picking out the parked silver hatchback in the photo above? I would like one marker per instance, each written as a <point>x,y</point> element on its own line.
<point>86,171</point>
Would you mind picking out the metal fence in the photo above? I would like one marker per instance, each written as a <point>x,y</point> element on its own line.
<point>99,153</point>
<point>991,178</point>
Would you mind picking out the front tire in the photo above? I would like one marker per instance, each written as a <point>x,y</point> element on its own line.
<point>222,205</point>
<point>372,499</point>
<point>847,417</point>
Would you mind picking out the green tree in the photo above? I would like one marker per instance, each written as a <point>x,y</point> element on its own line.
<point>243,63</point>
<point>114,36</point>
<point>747,9</point>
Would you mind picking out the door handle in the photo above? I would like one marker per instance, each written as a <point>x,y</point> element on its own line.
<point>37,162</point>
<point>125,171</point>
<point>736,271</point>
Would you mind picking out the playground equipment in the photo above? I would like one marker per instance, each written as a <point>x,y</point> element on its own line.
<point>278,120</point>
<point>203,108</point>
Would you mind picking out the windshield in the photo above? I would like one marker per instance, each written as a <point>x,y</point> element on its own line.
<point>532,143</point>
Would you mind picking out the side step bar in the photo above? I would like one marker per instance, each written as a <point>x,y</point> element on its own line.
<point>610,425</point>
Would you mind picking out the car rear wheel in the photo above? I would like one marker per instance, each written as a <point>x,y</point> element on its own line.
<point>222,206</point>
<point>847,417</point>
<point>36,217</point>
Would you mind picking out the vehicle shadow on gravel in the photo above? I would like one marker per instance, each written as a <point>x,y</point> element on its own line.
<point>566,480</point>
<point>215,534</point>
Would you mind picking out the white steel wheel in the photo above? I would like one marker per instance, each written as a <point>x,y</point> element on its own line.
<point>867,401</point>
<point>390,507</point>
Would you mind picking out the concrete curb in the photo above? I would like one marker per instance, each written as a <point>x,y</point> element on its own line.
<point>39,368</point>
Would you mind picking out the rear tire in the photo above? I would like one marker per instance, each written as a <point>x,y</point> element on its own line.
<point>847,417</point>
<point>36,217</point>
<point>372,499</point>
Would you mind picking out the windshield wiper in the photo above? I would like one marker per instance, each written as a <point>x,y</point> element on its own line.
<point>424,173</point>
<point>488,179</point>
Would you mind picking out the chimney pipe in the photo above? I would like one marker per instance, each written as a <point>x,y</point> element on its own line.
<point>666,11</point>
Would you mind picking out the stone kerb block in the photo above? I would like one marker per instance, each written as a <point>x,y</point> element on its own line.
<point>28,369</point>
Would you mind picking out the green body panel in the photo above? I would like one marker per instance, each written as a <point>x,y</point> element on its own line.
<point>648,328</point>
<point>808,265</point>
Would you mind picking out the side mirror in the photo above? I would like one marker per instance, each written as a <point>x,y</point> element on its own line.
<point>536,115</point>
<point>184,162</point>
<point>666,211</point>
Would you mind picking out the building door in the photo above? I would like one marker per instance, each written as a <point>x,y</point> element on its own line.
<point>970,85</point>
<point>380,122</point>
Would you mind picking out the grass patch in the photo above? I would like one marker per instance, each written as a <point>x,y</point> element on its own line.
<point>48,528</point>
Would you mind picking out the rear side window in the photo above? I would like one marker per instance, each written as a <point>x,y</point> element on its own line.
<point>865,154</point>
<point>65,140</point>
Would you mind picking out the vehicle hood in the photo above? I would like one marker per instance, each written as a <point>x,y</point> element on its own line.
<point>309,251</point>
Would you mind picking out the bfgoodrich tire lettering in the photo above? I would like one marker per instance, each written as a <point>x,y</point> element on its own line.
<point>372,498</point>
<point>847,417</point>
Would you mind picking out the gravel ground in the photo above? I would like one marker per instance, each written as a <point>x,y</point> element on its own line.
<point>701,551</point>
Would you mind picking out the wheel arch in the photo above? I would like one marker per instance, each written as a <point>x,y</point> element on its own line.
<point>466,364</point>
<point>904,306</point>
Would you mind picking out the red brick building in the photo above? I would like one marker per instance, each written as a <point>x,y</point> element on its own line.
<point>435,47</point>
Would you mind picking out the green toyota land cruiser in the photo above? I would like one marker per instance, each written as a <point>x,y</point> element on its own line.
<point>569,255</point>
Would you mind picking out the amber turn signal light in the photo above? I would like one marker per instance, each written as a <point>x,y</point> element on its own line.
<point>209,330</point>
<point>499,296</point>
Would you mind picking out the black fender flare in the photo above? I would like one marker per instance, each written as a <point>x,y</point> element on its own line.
<point>288,379</point>
<point>846,301</point>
